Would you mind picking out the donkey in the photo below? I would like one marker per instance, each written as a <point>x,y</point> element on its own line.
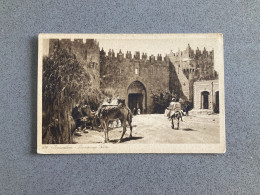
<point>112,112</point>
<point>177,115</point>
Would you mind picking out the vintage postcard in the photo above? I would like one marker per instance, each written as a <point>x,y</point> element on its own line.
<point>130,93</point>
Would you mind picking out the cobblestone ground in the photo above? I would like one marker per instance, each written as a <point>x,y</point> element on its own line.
<point>156,128</point>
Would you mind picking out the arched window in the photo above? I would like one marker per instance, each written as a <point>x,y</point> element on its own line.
<point>136,71</point>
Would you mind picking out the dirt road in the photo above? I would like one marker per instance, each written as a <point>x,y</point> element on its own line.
<point>156,128</point>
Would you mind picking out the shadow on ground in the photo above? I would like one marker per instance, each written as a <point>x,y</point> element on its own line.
<point>116,140</point>
<point>188,129</point>
<point>126,139</point>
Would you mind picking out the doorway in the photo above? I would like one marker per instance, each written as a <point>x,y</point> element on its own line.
<point>135,100</point>
<point>205,100</point>
<point>137,96</point>
<point>216,109</point>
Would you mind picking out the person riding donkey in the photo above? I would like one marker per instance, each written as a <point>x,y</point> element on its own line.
<point>174,107</point>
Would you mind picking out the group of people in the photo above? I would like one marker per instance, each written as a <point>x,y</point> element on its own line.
<point>83,119</point>
<point>136,111</point>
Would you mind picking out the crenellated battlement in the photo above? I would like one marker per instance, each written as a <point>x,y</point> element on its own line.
<point>194,61</point>
<point>190,53</point>
<point>191,65</point>
<point>80,45</point>
<point>120,56</point>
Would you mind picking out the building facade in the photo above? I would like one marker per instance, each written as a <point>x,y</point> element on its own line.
<point>134,78</point>
<point>206,96</point>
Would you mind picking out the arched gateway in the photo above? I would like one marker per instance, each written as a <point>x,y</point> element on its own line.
<point>137,97</point>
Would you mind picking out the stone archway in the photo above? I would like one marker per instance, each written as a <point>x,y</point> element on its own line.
<point>137,96</point>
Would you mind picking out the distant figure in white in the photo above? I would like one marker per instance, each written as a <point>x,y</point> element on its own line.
<point>138,111</point>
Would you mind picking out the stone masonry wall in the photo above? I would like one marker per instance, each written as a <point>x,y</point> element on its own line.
<point>118,74</point>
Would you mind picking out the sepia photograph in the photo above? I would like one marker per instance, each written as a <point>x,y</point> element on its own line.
<point>130,93</point>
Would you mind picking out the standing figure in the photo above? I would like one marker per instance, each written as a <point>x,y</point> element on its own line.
<point>77,115</point>
<point>187,109</point>
<point>138,111</point>
<point>134,111</point>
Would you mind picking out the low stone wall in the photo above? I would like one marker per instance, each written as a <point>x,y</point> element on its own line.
<point>200,112</point>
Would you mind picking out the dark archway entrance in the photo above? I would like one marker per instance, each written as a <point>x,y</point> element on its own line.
<point>135,100</point>
<point>216,109</point>
<point>137,96</point>
<point>205,100</point>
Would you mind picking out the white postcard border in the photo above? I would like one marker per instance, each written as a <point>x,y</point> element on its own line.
<point>107,148</point>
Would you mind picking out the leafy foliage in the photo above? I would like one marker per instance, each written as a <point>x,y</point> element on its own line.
<point>65,84</point>
<point>162,99</point>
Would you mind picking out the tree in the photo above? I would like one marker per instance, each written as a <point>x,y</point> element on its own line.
<point>161,101</point>
<point>65,84</point>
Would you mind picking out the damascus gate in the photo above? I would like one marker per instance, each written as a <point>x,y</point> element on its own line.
<point>134,77</point>
<point>137,76</point>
